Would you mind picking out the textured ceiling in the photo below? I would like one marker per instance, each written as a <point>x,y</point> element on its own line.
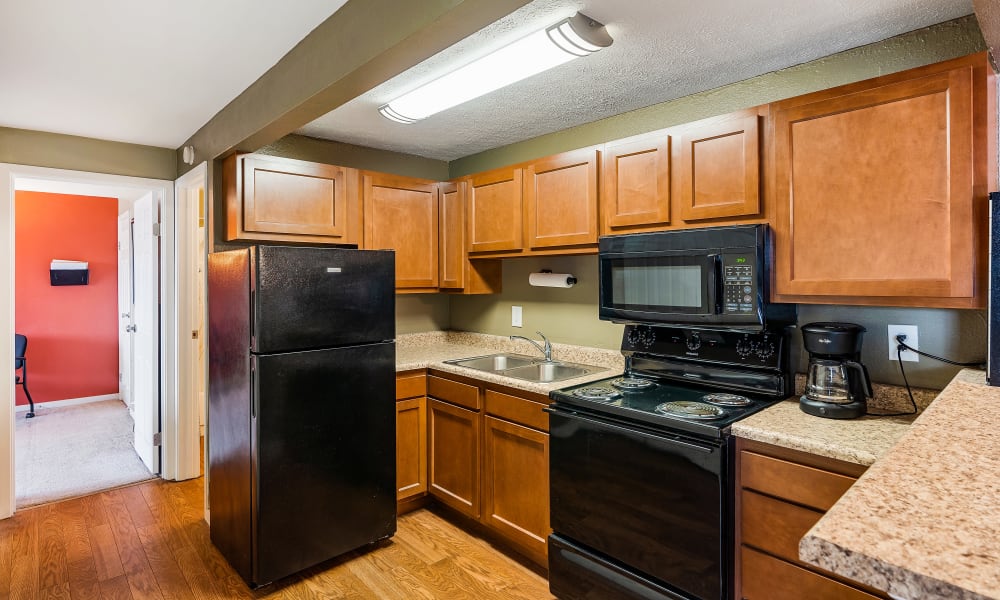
<point>663,49</point>
<point>136,70</point>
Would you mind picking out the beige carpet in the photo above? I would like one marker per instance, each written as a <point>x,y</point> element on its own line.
<point>74,451</point>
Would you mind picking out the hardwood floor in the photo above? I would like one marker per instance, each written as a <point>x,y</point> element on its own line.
<point>149,541</point>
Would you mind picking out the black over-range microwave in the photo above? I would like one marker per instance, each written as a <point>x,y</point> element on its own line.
<point>716,277</point>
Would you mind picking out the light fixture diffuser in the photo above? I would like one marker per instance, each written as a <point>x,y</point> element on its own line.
<point>570,38</point>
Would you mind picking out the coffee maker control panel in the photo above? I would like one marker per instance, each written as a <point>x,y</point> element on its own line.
<point>740,289</point>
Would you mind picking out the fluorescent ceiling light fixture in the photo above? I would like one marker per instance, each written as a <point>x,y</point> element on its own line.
<point>570,38</point>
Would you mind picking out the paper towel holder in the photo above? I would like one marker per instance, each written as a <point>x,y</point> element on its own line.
<point>546,278</point>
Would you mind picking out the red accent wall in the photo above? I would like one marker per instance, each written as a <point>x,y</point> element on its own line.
<point>72,330</point>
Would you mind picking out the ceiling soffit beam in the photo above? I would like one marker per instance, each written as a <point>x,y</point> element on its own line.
<point>988,15</point>
<point>362,45</point>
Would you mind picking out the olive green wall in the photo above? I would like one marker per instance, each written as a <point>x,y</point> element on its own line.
<point>74,153</point>
<point>924,46</point>
<point>570,315</point>
<point>417,313</point>
<point>564,315</point>
<point>358,157</point>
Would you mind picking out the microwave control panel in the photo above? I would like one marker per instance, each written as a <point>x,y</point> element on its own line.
<point>740,291</point>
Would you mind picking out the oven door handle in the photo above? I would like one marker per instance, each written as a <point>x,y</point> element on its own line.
<point>554,410</point>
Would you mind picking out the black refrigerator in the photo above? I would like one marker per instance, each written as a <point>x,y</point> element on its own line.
<point>301,411</point>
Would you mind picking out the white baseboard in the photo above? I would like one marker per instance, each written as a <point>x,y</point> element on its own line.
<point>68,402</point>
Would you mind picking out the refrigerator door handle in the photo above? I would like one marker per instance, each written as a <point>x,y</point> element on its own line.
<point>253,387</point>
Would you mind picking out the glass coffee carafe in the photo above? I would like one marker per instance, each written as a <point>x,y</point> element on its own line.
<point>828,380</point>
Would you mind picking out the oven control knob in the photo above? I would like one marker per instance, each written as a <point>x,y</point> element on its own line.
<point>744,347</point>
<point>641,337</point>
<point>694,342</point>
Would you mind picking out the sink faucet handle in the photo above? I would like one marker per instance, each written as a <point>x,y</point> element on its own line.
<point>548,347</point>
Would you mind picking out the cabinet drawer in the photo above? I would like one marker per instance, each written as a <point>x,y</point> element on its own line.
<point>811,487</point>
<point>768,578</point>
<point>411,386</point>
<point>773,525</point>
<point>454,392</point>
<point>518,410</point>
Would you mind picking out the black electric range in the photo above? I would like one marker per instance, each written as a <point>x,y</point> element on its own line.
<point>641,481</point>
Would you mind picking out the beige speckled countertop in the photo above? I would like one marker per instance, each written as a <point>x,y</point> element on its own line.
<point>429,350</point>
<point>924,520</point>
<point>860,441</point>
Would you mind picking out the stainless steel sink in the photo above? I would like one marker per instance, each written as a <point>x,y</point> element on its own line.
<point>524,367</point>
<point>544,372</point>
<point>494,362</point>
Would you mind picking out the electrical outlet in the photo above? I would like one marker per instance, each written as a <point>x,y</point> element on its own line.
<point>515,316</point>
<point>910,331</point>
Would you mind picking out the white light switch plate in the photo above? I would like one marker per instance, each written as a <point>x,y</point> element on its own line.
<point>910,331</point>
<point>515,316</point>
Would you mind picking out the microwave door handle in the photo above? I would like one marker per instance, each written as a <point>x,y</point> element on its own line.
<point>717,281</point>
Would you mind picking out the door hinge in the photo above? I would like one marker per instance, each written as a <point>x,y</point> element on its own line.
<point>157,439</point>
<point>156,230</point>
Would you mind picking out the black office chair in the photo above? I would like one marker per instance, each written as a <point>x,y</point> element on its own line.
<point>20,362</point>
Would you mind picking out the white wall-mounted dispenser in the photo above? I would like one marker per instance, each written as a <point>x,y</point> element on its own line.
<point>547,278</point>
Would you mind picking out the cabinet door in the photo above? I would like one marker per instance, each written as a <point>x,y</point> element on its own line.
<point>411,448</point>
<point>767,578</point>
<point>516,485</point>
<point>453,456</point>
<point>636,191</point>
<point>453,256</point>
<point>560,197</point>
<point>494,215</point>
<point>874,193</point>
<point>280,199</point>
<point>401,213</point>
<point>720,167</point>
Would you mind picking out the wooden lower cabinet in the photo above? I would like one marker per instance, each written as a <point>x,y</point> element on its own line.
<point>411,439</point>
<point>453,455</point>
<point>768,578</point>
<point>516,484</point>
<point>411,448</point>
<point>781,494</point>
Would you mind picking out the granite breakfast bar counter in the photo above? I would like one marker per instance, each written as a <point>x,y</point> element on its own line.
<point>924,520</point>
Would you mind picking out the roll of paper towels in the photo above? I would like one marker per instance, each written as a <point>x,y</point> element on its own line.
<point>560,280</point>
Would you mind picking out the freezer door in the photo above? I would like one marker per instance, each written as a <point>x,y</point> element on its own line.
<point>325,448</point>
<point>306,298</point>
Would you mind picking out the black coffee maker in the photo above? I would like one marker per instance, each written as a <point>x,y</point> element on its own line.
<point>837,384</point>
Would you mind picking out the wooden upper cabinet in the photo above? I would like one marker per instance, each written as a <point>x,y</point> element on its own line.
<point>452,253</point>
<point>560,199</point>
<point>280,199</point>
<point>457,272</point>
<point>401,213</point>
<point>881,189</point>
<point>636,188</point>
<point>494,210</point>
<point>719,167</point>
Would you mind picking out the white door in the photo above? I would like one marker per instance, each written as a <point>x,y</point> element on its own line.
<point>125,307</point>
<point>146,331</point>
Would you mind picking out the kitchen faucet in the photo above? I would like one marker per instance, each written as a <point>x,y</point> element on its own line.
<point>547,350</point>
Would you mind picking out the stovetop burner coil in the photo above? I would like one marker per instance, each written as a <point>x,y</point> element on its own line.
<point>691,410</point>
<point>722,399</point>
<point>597,392</point>
<point>632,383</point>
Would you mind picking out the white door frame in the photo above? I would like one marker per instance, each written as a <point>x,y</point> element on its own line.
<point>164,192</point>
<point>187,460</point>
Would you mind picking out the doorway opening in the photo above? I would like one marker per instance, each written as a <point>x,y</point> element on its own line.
<point>164,435</point>
<point>83,437</point>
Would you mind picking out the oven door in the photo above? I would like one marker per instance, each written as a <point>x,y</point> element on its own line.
<point>655,503</point>
<point>657,288</point>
